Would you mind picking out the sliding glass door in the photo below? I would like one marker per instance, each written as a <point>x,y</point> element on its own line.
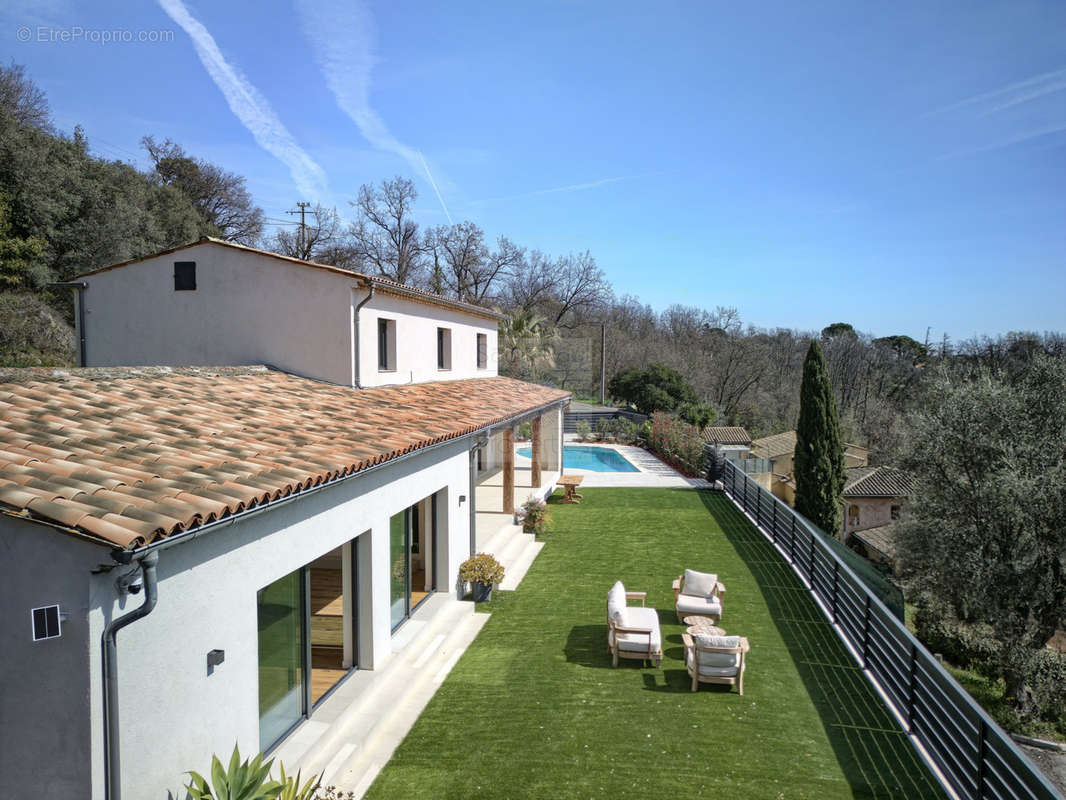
<point>282,662</point>
<point>412,550</point>
<point>400,567</point>
<point>308,630</point>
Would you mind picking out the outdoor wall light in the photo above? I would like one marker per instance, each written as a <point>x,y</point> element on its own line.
<point>462,499</point>
<point>214,658</point>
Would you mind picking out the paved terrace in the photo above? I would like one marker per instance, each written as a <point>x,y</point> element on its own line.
<point>534,709</point>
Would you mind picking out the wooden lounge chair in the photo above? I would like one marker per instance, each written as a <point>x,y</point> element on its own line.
<point>698,594</point>
<point>715,659</point>
<point>632,631</point>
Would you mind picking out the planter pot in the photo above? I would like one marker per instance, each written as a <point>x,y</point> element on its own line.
<point>482,591</point>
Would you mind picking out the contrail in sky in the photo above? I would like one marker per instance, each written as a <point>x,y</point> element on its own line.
<point>342,37</point>
<point>249,105</point>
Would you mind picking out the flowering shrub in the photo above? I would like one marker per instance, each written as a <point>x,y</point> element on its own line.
<point>534,516</point>
<point>482,568</point>
<point>676,442</point>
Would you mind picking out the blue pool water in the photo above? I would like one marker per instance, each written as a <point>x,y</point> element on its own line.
<point>594,459</point>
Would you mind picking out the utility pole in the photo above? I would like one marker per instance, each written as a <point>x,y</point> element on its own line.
<point>301,237</point>
<point>603,363</point>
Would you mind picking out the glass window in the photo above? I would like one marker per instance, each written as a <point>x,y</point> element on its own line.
<point>399,566</point>
<point>281,657</point>
<point>444,348</point>
<point>383,344</point>
<point>482,351</point>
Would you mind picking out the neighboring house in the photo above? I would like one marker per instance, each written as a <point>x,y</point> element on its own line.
<point>732,441</point>
<point>873,500</point>
<point>779,451</point>
<point>278,532</point>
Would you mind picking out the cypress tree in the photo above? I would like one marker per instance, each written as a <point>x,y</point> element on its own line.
<point>818,464</point>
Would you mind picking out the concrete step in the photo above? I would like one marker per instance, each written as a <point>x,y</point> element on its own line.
<point>517,569</point>
<point>357,763</point>
<point>500,539</point>
<point>362,701</point>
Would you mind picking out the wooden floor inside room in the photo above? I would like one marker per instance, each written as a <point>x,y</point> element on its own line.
<point>418,578</point>
<point>326,670</point>
<point>327,635</point>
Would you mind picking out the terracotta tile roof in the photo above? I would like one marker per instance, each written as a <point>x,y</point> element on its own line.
<point>780,444</point>
<point>784,444</point>
<point>383,284</point>
<point>130,455</point>
<point>723,434</point>
<point>876,482</point>
<point>882,539</point>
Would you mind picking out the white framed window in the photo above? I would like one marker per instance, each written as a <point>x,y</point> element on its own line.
<point>444,348</point>
<point>386,345</point>
<point>482,351</point>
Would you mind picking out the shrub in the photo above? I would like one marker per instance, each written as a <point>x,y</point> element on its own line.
<point>525,430</point>
<point>583,430</point>
<point>534,516</point>
<point>482,568</point>
<point>676,442</point>
<point>605,429</point>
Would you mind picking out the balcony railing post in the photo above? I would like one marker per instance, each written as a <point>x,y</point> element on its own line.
<point>982,738</point>
<point>810,568</point>
<point>773,530</point>
<point>836,573</point>
<point>912,688</point>
<point>866,634</point>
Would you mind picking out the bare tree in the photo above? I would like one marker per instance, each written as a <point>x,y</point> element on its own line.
<point>385,237</point>
<point>580,287</point>
<point>23,99</point>
<point>221,197</point>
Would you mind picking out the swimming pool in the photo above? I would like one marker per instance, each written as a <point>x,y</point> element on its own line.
<point>594,459</point>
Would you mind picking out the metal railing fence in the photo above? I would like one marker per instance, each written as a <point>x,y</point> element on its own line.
<point>973,756</point>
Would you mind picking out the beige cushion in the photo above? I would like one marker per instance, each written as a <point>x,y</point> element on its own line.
<point>616,601</point>
<point>728,661</point>
<point>691,604</point>
<point>714,665</point>
<point>700,582</point>
<point>639,617</point>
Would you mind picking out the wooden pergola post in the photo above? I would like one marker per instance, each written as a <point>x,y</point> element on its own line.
<point>534,434</point>
<point>508,471</point>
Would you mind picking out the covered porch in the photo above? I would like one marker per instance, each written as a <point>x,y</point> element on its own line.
<point>503,480</point>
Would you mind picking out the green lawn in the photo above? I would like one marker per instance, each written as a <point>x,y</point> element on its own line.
<point>533,709</point>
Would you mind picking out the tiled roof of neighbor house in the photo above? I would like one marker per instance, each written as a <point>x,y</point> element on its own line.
<point>383,284</point>
<point>882,539</point>
<point>784,444</point>
<point>775,446</point>
<point>876,482</point>
<point>723,434</point>
<point>129,455</point>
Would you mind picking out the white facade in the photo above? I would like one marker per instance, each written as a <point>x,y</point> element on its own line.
<point>251,307</point>
<point>173,714</point>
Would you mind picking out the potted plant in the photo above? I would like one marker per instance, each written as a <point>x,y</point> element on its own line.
<point>534,517</point>
<point>481,572</point>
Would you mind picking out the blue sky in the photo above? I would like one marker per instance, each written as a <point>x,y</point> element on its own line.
<point>899,166</point>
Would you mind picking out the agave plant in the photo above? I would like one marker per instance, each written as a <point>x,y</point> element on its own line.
<point>242,780</point>
<point>292,790</point>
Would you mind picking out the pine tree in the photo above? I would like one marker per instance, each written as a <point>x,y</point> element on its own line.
<point>818,465</point>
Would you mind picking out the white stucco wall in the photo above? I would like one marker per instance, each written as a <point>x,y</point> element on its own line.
<point>250,308</point>
<point>416,340</point>
<point>174,716</point>
<point>246,309</point>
